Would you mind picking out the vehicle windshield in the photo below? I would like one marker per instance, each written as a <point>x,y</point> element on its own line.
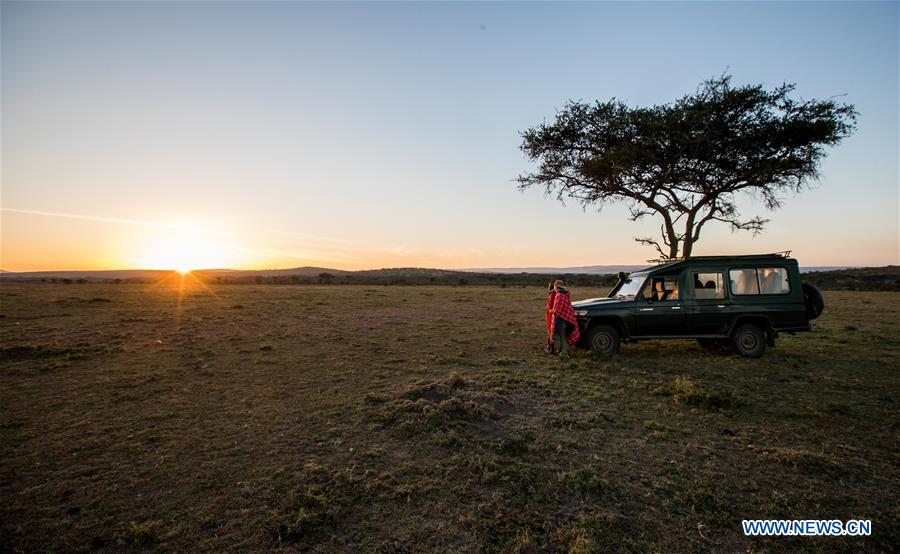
<point>632,285</point>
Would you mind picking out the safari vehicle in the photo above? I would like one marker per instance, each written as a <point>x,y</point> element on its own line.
<point>744,301</point>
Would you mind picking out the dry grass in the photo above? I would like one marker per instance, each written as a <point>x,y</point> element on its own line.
<point>417,418</point>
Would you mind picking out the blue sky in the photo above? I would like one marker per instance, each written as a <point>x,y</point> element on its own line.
<point>386,134</point>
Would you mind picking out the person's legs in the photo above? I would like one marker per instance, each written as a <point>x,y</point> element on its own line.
<point>555,336</point>
<point>559,330</point>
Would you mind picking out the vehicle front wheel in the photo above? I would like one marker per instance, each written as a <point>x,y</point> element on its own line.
<point>603,339</point>
<point>749,341</point>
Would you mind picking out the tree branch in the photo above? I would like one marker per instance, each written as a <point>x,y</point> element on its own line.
<point>650,242</point>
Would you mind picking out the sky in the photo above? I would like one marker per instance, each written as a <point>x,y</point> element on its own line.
<point>365,135</point>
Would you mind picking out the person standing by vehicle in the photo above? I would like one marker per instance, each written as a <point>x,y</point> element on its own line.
<point>548,316</point>
<point>564,328</point>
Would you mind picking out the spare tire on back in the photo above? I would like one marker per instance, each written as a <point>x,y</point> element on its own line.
<point>813,300</point>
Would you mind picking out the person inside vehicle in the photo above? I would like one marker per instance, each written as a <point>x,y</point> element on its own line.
<point>673,294</point>
<point>771,284</point>
<point>660,294</point>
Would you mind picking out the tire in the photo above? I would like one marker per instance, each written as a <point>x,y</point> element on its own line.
<point>603,339</point>
<point>749,341</point>
<point>815,304</point>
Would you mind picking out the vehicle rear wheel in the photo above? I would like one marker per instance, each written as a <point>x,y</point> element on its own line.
<point>749,341</point>
<point>603,339</point>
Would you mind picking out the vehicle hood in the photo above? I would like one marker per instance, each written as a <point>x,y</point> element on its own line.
<point>598,303</point>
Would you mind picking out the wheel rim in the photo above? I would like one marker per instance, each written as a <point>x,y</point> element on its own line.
<point>602,342</point>
<point>749,341</point>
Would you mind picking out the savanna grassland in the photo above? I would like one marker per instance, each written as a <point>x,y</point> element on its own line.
<point>426,418</point>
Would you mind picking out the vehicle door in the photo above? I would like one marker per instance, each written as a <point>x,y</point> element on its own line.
<point>707,302</point>
<point>660,317</point>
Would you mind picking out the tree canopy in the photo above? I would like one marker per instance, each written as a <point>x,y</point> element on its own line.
<point>685,162</point>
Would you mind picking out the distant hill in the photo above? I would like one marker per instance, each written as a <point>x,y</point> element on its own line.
<point>864,278</point>
<point>608,269</point>
<point>587,270</point>
<point>99,275</point>
<point>858,278</point>
<point>317,275</point>
<point>398,276</point>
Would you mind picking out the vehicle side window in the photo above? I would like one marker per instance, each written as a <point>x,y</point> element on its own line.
<point>764,280</point>
<point>660,289</point>
<point>773,280</point>
<point>744,281</point>
<point>708,285</point>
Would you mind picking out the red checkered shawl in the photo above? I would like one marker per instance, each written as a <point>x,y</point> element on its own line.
<point>562,307</point>
<point>551,296</point>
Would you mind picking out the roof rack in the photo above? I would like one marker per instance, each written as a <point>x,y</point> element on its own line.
<point>660,261</point>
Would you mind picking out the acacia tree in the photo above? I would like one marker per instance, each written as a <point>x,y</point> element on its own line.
<point>685,162</point>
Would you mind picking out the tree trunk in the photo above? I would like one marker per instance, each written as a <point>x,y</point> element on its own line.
<point>669,231</point>
<point>673,250</point>
<point>688,246</point>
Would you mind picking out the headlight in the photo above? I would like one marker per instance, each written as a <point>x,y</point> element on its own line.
<point>580,313</point>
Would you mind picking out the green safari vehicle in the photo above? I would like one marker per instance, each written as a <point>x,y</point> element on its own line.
<point>744,301</point>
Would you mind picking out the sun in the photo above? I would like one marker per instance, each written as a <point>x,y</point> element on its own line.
<point>186,250</point>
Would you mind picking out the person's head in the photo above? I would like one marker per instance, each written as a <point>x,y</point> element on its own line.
<point>560,286</point>
<point>659,287</point>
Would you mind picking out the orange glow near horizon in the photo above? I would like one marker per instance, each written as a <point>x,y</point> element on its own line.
<point>186,249</point>
<point>38,240</point>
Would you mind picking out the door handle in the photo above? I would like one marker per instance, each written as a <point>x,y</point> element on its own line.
<point>646,309</point>
<point>676,307</point>
<point>723,305</point>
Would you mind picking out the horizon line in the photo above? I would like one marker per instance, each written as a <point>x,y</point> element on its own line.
<point>469,270</point>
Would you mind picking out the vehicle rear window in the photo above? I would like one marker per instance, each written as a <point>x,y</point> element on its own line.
<point>773,280</point>
<point>763,280</point>
<point>744,281</point>
<point>708,285</point>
